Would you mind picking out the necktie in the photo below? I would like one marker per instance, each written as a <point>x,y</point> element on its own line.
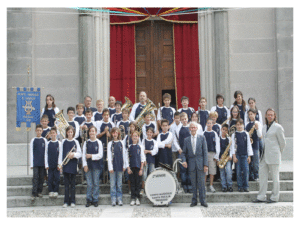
<point>193,144</point>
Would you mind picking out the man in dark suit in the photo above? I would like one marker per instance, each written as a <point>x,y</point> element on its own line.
<point>87,104</point>
<point>195,152</point>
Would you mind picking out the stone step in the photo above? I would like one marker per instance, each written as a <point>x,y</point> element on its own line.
<point>104,199</point>
<point>285,185</point>
<point>27,180</point>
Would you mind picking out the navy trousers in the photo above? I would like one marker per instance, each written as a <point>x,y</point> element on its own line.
<point>53,180</point>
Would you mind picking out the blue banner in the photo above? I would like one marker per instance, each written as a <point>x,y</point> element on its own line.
<point>28,107</point>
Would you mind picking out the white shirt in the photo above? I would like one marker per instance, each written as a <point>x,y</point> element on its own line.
<point>175,143</point>
<point>194,139</point>
<point>125,140</point>
<point>82,116</point>
<point>169,140</point>
<point>76,128</point>
<point>154,151</point>
<point>110,158</point>
<point>94,156</point>
<point>56,110</point>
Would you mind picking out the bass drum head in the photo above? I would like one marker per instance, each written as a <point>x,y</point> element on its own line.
<point>160,187</point>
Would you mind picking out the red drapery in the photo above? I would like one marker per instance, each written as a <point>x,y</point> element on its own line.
<point>187,63</point>
<point>122,62</point>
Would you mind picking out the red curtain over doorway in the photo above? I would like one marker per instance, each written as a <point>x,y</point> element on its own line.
<point>122,62</point>
<point>187,63</point>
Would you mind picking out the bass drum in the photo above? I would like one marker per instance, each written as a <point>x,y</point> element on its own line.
<point>161,186</point>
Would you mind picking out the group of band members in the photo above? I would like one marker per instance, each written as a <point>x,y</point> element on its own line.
<point>114,150</point>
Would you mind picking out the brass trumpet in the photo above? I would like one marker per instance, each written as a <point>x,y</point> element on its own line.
<point>66,159</point>
<point>251,133</point>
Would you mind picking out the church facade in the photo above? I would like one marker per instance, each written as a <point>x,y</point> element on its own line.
<point>67,52</point>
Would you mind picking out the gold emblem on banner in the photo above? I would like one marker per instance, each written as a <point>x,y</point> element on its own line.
<point>28,107</point>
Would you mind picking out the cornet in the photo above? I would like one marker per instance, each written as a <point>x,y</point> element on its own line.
<point>66,159</point>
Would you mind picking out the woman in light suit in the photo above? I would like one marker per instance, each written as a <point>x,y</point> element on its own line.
<point>274,144</point>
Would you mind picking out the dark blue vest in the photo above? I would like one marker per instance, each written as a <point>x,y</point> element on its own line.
<point>242,112</point>
<point>45,132</point>
<point>79,119</point>
<point>88,124</point>
<point>188,112</point>
<point>183,133</point>
<point>223,145</point>
<point>92,147</point>
<point>51,115</point>
<point>255,138</point>
<point>117,117</point>
<point>71,167</point>
<point>126,126</point>
<point>134,152</point>
<point>222,114</point>
<point>98,116</point>
<point>149,145</point>
<point>232,123</point>
<point>167,113</point>
<point>138,110</point>
<point>241,142</point>
<point>216,128</point>
<point>112,111</point>
<point>117,156</point>
<point>130,141</point>
<point>72,123</point>
<point>103,138</point>
<point>39,146</point>
<point>165,154</point>
<point>210,141</point>
<point>53,152</point>
<point>203,118</point>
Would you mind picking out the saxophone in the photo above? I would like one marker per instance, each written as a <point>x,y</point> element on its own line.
<point>251,133</point>
<point>225,156</point>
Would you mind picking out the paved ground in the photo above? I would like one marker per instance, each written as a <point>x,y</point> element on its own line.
<point>237,210</point>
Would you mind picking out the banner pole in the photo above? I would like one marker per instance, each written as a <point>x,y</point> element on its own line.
<point>28,164</point>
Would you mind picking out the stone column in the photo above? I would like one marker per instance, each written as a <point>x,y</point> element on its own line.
<point>95,55</point>
<point>207,56</point>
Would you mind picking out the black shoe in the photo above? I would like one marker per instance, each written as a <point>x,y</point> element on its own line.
<point>230,189</point>
<point>240,190</point>
<point>185,191</point>
<point>224,189</point>
<point>88,204</point>
<point>251,179</point>
<point>204,204</point>
<point>271,201</point>
<point>193,204</point>
<point>258,201</point>
<point>246,190</point>
<point>189,191</point>
<point>95,204</point>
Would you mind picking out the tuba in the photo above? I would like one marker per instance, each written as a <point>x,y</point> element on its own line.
<point>225,156</point>
<point>61,123</point>
<point>148,108</point>
<point>127,105</point>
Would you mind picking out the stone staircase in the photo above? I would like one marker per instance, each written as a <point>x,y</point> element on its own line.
<point>19,193</point>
